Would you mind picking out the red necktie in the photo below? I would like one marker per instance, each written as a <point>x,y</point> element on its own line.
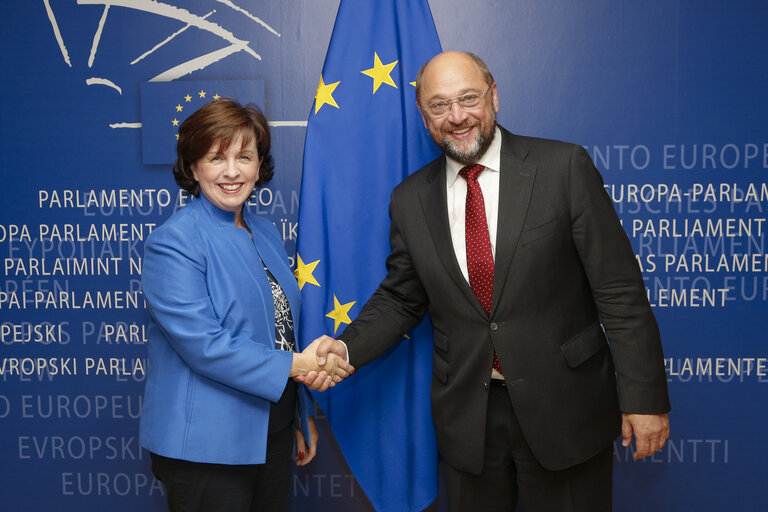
<point>479,255</point>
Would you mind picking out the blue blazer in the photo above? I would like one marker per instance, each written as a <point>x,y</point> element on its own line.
<point>213,367</point>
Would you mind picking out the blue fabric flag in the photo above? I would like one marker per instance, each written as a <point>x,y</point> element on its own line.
<point>364,136</point>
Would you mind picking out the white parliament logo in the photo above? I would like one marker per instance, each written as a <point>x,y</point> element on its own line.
<point>231,43</point>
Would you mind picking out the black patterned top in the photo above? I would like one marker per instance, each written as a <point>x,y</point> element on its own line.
<point>284,337</point>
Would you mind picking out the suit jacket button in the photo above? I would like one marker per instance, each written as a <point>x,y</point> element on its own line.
<point>485,384</point>
<point>494,326</point>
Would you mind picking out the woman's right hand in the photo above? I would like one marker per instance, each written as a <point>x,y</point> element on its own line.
<point>334,369</point>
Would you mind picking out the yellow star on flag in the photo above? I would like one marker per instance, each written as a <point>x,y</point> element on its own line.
<point>217,97</point>
<point>380,73</point>
<point>202,94</point>
<point>304,271</point>
<point>187,98</point>
<point>324,94</point>
<point>340,313</point>
<point>175,122</point>
<point>179,108</point>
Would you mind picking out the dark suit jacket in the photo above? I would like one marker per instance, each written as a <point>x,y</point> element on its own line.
<point>565,273</point>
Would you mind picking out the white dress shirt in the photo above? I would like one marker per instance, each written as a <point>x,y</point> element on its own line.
<point>456,188</point>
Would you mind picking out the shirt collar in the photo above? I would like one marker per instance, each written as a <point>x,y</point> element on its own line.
<point>491,159</point>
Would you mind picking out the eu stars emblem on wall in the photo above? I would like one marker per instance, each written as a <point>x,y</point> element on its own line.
<point>165,105</point>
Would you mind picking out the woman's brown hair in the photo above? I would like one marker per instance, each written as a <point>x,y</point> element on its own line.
<point>221,122</point>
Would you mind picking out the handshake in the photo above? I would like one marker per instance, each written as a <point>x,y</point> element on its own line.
<point>322,364</point>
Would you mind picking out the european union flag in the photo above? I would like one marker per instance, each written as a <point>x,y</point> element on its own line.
<point>165,105</point>
<point>364,136</point>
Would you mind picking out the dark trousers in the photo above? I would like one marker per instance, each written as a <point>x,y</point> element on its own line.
<point>511,472</point>
<point>202,487</point>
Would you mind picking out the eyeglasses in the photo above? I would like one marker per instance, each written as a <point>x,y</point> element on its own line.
<point>465,101</point>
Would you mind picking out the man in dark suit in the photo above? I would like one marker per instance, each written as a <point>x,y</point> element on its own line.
<point>545,346</point>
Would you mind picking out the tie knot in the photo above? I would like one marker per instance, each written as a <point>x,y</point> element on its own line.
<point>471,172</point>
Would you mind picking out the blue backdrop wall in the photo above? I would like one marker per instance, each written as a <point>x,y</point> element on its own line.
<point>667,96</point>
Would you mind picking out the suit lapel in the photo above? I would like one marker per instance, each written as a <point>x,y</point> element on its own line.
<point>515,188</point>
<point>434,203</point>
<point>516,180</point>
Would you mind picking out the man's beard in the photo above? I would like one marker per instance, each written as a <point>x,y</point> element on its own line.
<point>475,152</point>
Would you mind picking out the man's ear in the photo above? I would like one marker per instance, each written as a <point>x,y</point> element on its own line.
<point>423,115</point>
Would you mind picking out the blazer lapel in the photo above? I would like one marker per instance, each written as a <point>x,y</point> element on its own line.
<point>434,203</point>
<point>515,188</point>
<point>274,259</point>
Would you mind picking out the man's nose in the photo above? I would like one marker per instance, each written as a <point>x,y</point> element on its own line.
<point>457,115</point>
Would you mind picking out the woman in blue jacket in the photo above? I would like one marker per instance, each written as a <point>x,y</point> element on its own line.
<point>220,405</point>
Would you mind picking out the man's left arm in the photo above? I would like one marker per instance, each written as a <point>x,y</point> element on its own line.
<point>619,293</point>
